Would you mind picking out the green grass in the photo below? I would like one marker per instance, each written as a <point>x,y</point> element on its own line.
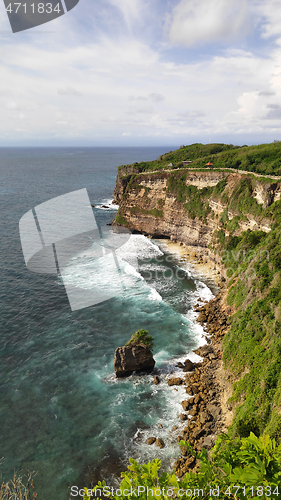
<point>263,159</point>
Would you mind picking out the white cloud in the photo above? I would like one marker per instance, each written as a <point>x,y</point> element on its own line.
<point>69,91</point>
<point>200,21</point>
<point>138,98</point>
<point>190,98</point>
<point>192,113</point>
<point>12,105</point>
<point>131,9</point>
<point>153,96</point>
<point>270,17</point>
<point>78,85</point>
<point>267,93</point>
<point>144,110</point>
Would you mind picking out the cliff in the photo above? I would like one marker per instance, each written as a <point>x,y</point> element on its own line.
<point>237,216</point>
<point>161,205</point>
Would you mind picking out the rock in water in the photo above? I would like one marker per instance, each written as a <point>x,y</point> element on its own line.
<point>132,358</point>
<point>159,442</point>
<point>175,381</point>
<point>151,440</point>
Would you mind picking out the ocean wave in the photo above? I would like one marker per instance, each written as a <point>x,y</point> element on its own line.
<point>106,205</point>
<point>154,295</point>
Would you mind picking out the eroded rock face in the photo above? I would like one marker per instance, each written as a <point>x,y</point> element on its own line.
<point>174,222</point>
<point>128,359</point>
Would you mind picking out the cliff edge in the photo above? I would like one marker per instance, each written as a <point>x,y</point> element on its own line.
<point>235,216</point>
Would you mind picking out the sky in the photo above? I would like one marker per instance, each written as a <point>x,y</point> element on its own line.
<point>144,73</point>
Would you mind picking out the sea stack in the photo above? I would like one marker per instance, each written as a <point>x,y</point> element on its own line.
<point>136,355</point>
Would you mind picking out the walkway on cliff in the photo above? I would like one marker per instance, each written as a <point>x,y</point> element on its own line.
<point>236,171</point>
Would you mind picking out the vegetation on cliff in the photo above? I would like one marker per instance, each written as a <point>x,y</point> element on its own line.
<point>252,347</point>
<point>263,159</point>
<point>251,259</point>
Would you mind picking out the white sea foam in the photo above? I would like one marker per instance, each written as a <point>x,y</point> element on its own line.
<point>154,295</point>
<point>128,269</point>
<point>107,204</point>
<point>139,246</point>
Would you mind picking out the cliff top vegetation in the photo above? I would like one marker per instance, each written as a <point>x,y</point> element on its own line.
<point>262,159</point>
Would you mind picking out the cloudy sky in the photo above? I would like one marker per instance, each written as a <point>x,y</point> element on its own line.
<point>139,72</point>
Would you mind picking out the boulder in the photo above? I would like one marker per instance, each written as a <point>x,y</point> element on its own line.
<point>197,398</point>
<point>189,390</point>
<point>183,416</point>
<point>208,441</point>
<point>214,410</point>
<point>203,350</point>
<point>194,410</point>
<point>188,366</point>
<point>180,365</point>
<point>202,317</point>
<point>156,380</point>
<point>204,417</point>
<point>130,358</point>
<point>185,405</point>
<point>159,442</point>
<point>175,381</point>
<point>151,440</point>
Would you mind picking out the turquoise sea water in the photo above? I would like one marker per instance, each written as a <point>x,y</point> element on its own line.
<point>62,412</point>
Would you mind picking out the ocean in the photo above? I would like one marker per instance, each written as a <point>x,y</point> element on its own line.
<point>63,414</point>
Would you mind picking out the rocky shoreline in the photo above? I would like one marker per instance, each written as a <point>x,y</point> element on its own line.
<point>208,385</point>
<point>206,412</point>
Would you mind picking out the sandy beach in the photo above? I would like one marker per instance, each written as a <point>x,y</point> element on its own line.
<point>198,258</point>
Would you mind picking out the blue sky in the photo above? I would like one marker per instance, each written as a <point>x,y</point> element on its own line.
<point>134,72</point>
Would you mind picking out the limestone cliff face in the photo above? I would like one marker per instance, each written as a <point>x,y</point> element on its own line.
<point>147,205</point>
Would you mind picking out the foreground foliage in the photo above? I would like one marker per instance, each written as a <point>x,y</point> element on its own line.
<point>241,468</point>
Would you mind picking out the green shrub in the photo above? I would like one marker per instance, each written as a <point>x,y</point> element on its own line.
<point>236,469</point>
<point>141,337</point>
<point>119,219</point>
<point>233,224</point>
<point>161,202</point>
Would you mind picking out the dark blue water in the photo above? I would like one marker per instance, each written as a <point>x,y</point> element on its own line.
<point>63,414</point>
